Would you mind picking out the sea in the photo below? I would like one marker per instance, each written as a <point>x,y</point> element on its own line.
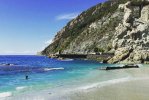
<point>50,76</point>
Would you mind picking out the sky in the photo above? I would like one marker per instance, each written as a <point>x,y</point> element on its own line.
<point>28,26</point>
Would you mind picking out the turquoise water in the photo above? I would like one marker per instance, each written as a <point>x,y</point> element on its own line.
<point>44,73</point>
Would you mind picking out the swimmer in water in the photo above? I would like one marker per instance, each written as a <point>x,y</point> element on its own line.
<point>26,77</point>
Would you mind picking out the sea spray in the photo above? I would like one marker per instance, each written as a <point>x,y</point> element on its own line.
<point>21,87</point>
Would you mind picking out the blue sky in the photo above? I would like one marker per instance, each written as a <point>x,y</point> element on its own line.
<point>27,26</point>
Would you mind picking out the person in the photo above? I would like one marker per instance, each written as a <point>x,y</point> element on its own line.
<point>26,77</point>
<point>27,73</point>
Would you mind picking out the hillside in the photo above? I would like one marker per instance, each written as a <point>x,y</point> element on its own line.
<point>115,26</point>
<point>93,28</point>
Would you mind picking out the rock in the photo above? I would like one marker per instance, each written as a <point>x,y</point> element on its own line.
<point>120,54</point>
<point>135,36</point>
<point>145,13</point>
<point>105,26</point>
<point>146,62</point>
<point>92,28</point>
<point>137,56</point>
<point>128,13</point>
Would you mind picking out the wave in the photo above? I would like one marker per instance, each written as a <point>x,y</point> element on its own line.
<point>48,69</point>
<point>21,87</point>
<point>104,83</point>
<point>67,60</point>
<point>7,64</point>
<point>5,94</point>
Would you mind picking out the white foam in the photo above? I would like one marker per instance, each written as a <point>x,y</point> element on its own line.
<point>104,83</point>
<point>67,59</point>
<point>48,69</point>
<point>21,88</point>
<point>5,94</point>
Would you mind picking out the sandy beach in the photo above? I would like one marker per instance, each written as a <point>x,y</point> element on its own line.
<point>134,88</point>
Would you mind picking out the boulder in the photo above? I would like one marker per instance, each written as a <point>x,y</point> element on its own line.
<point>145,13</point>
<point>120,54</point>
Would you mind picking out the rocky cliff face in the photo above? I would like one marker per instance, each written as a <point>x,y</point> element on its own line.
<point>120,26</point>
<point>131,40</point>
<point>93,28</point>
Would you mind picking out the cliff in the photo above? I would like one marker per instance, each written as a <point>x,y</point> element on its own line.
<point>115,26</point>
<point>93,28</point>
<point>131,39</point>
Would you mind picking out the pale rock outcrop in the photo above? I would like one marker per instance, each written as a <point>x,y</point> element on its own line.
<point>104,26</point>
<point>128,13</point>
<point>121,54</point>
<point>145,13</point>
<point>132,33</point>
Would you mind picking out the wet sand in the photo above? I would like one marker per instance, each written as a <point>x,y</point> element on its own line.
<point>136,88</point>
<point>132,90</point>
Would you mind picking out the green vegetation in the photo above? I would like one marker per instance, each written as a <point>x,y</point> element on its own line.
<point>97,50</point>
<point>82,22</point>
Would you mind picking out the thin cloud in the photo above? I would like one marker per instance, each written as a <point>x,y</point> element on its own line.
<point>45,44</point>
<point>68,16</point>
<point>18,52</point>
<point>48,42</point>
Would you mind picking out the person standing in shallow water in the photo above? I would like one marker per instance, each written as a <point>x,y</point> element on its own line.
<point>26,77</point>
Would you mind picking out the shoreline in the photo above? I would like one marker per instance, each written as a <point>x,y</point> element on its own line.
<point>108,89</point>
<point>115,89</point>
<point>128,90</point>
<point>123,89</point>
